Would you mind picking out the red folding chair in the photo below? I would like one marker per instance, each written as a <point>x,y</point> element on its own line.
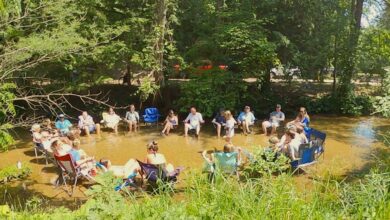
<point>69,170</point>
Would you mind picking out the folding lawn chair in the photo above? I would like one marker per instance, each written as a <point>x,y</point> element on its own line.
<point>69,170</point>
<point>225,163</point>
<point>151,115</point>
<point>310,152</point>
<point>38,149</point>
<point>154,173</point>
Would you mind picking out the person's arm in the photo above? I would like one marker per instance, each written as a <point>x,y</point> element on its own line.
<point>214,121</point>
<point>91,121</point>
<point>68,124</point>
<point>83,161</point>
<point>81,122</point>
<point>281,118</point>
<point>207,159</point>
<point>187,119</point>
<point>201,118</point>
<point>239,118</point>
<point>253,119</point>
<point>127,116</point>
<point>239,150</point>
<point>281,142</point>
<point>57,125</point>
<point>137,116</point>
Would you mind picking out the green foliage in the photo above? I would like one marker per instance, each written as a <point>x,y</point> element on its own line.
<point>147,88</point>
<point>351,104</point>
<point>374,51</point>
<point>7,109</point>
<point>266,162</point>
<point>253,199</point>
<point>212,90</point>
<point>356,104</point>
<point>13,172</point>
<point>382,103</point>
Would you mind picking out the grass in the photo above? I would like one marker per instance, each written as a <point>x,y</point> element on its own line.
<point>270,197</point>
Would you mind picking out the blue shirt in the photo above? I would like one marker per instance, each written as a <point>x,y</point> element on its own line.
<point>75,155</point>
<point>63,126</point>
<point>220,119</point>
<point>305,121</point>
<point>248,116</point>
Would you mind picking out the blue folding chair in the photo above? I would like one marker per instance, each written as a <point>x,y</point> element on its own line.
<point>154,173</point>
<point>151,115</point>
<point>225,164</point>
<point>309,153</point>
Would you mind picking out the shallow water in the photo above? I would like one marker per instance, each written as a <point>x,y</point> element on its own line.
<point>348,145</point>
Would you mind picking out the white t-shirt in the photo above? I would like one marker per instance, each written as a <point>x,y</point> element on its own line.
<point>37,137</point>
<point>294,146</point>
<point>229,126</point>
<point>194,120</point>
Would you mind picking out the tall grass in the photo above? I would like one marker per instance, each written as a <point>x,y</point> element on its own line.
<point>267,198</point>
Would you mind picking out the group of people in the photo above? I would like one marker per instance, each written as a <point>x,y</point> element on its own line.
<point>55,144</point>
<point>62,138</point>
<point>64,135</point>
<point>223,120</point>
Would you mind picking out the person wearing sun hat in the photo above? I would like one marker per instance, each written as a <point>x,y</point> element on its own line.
<point>63,125</point>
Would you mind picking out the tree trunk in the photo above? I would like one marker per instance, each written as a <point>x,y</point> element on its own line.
<point>128,74</point>
<point>335,66</point>
<point>350,57</point>
<point>159,53</point>
<point>219,4</point>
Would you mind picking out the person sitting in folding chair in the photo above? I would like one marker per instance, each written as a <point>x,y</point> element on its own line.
<point>170,122</point>
<point>36,135</point>
<point>302,120</point>
<point>225,162</point>
<point>111,120</point>
<point>155,158</point>
<point>276,117</point>
<point>132,119</point>
<point>192,122</point>
<point>60,148</point>
<point>219,121</point>
<point>87,124</point>
<point>246,119</point>
<point>63,125</point>
<point>156,167</point>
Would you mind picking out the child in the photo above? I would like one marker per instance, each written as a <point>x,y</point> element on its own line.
<point>229,126</point>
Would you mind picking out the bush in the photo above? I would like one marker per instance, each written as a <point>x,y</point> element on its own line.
<point>266,162</point>
<point>352,105</point>
<point>212,90</point>
<point>13,172</point>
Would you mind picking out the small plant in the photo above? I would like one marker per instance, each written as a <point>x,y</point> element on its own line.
<point>266,162</point>
<point>13,172</point>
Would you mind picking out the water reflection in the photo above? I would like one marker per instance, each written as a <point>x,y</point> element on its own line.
<point>364,134</point>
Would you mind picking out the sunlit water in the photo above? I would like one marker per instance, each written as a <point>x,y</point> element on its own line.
<point>348,144</point>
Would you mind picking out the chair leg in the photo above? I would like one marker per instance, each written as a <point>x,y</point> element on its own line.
<point>36,154</point>
<point>74,185</point>
<point>46,156</point>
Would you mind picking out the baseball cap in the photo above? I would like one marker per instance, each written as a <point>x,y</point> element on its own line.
<point>278,106</point>
<point>61,116</point>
